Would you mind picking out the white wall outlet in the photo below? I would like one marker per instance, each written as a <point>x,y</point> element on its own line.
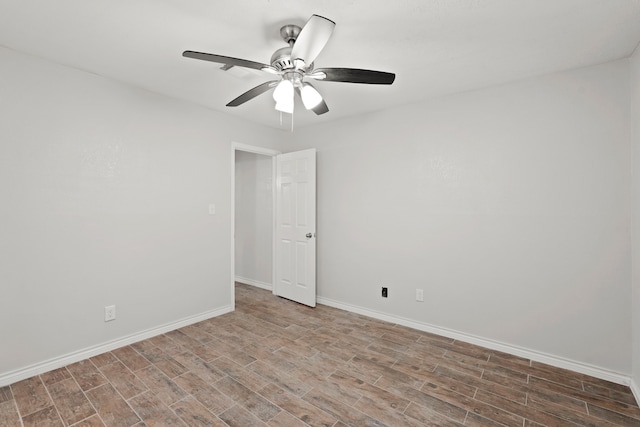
<point>109,313</point>
<point>419,295</point>
<point>212,208</point>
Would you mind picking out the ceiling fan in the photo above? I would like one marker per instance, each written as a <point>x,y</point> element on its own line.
<point>293,65</point>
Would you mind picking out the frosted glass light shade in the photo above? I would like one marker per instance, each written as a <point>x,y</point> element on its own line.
<point>310,96</point>
<point>283,92</point>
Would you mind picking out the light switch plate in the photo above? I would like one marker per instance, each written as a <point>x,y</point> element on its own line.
<point>109,313</point>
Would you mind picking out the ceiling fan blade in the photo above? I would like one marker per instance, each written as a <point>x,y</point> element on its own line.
<point>227,60</point>
<point>252,93</point>
<point>352,75</point>
<point>312,38</point>
<point>319,109</point>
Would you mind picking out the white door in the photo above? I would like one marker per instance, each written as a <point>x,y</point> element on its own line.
<point>296,226</point>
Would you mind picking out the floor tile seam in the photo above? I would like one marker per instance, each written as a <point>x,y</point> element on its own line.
<point>475,393</point>
<point>582,386</point>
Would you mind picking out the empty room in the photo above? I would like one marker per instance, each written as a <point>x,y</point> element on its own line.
<point>329,213</point>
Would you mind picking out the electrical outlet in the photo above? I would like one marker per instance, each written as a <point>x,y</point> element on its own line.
<point>109,313</point>
<point>385,292</point>
<point>419,295</point>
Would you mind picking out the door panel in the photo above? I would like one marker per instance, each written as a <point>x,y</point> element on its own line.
<point>295,226</point>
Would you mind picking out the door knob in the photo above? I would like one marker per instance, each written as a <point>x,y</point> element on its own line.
<point>309,235</point>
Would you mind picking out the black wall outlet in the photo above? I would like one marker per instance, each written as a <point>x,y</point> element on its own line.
<point>384,292</point>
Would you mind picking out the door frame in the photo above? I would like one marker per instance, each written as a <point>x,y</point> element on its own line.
<point>237,146</point>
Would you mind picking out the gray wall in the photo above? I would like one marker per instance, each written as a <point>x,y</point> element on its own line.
<point>509,206</point>
<point>105,192</point>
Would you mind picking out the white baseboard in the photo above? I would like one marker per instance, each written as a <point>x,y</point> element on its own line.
<point>635,389</point>
<point>558,362</point>
<point>58,362</point>
<point>256,283</point>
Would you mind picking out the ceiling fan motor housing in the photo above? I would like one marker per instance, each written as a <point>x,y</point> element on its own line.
<point>281,59</point>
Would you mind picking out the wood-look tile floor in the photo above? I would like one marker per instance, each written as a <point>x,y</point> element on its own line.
<point>273,362</point>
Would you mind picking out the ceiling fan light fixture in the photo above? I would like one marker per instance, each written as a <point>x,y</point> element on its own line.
<point>310,96</point>
<point>283,93</point>
<point>294,63</point>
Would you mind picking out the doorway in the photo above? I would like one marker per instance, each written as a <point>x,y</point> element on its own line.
<point>273,220</point>
<point>253,213</point>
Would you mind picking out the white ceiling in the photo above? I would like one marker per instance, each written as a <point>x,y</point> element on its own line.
<point>435,47</point>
